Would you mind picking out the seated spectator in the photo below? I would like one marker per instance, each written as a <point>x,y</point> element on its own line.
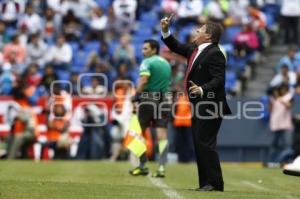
<point>189,11</point>
<point>4,37</point>
<point>48,78</point>
<point>23,35</point>
<point>32,75</point>
<point>246,41</point>
<point>108,72</point>
<point>72,27</point>
<point>286,76</point>
<point>51,25</point>
<point>31,20</point>
<point>123,72</point>
<point>7,80</point>
<point>37,50</point>
<point>125,11</point>
<point>80,8</point>
<point>125,51</point>
<point>95,88</point>
<point>114,28</point>
<point>10,11</point>
<point>58,133</point>
<point>92,61</point>
<point>98,23</point>
<point>14,47</point>
<point>104,54</point>
<point>291,60</point>
<point>23,132</point>
<point>12,63</point>
<point>60,55</point>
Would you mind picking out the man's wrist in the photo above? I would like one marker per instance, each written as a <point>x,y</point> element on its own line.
<point>166,34</point>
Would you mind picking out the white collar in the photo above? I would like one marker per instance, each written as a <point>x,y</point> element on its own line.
<point>202,46</point>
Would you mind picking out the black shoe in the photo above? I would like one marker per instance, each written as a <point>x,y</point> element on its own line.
<point>208,188</point>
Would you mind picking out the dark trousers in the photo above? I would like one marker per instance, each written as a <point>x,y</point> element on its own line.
<point>291,26</point>
<point>205,139</point>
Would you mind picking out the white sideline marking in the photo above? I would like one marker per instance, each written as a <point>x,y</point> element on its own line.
<point>258,187</point>
<point>168,191</point>
<point>255,186</point>
<point>290,197</point>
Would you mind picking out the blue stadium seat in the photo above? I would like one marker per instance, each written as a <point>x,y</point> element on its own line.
<point>236,63</point>
<point>11,31</point>
<point>149,18</point>
<point>74,46</point>
<point>184,33</point>
<point>112,46</point>
<point>91,47</point>
<point>266,114</point>
<point>230,33</point>
<point>230,80</point>
<point>63,75</point>
<point>80,59</point>
<point>104,4</point>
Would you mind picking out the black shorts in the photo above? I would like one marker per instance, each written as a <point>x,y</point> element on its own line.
<point>154,112</point>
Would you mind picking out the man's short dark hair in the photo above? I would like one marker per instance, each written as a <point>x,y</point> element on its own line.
<point>215,30</point>
<point>153,44</point>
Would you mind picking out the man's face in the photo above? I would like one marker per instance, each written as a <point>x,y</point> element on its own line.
<point>200,36</point>
<point>291,53</point>
<point>285,71</point>
<point>60,41</point>
<point>147,50</point>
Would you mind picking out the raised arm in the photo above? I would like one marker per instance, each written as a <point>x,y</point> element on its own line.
<point>172,43</point>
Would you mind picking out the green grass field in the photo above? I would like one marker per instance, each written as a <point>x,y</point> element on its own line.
<point>97,179</point>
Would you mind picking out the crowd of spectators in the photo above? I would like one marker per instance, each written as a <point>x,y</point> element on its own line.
<point>45,41</point>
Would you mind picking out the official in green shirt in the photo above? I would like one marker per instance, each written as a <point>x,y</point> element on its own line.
<point>154,107</point>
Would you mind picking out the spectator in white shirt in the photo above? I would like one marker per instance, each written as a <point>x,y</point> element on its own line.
<point>60,55</point>
<point>31,20</point>
<point>290,12</point>
<point>285,77</point>
<point>10,11</point>
<point>189,10</point>
<point>238,11</point>
<point>37,50</point>
<point>95,88</point>
<point>125,11</point>
<point>98,23</point>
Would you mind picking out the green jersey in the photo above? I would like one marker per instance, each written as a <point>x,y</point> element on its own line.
<point>159,71</point>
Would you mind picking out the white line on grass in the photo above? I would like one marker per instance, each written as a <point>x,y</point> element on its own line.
<point>168,191</point>
<point>255,186</point>
<point>290,197</point>
<point>258,187</point>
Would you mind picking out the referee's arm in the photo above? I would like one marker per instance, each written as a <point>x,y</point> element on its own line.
<point>141,83</point>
